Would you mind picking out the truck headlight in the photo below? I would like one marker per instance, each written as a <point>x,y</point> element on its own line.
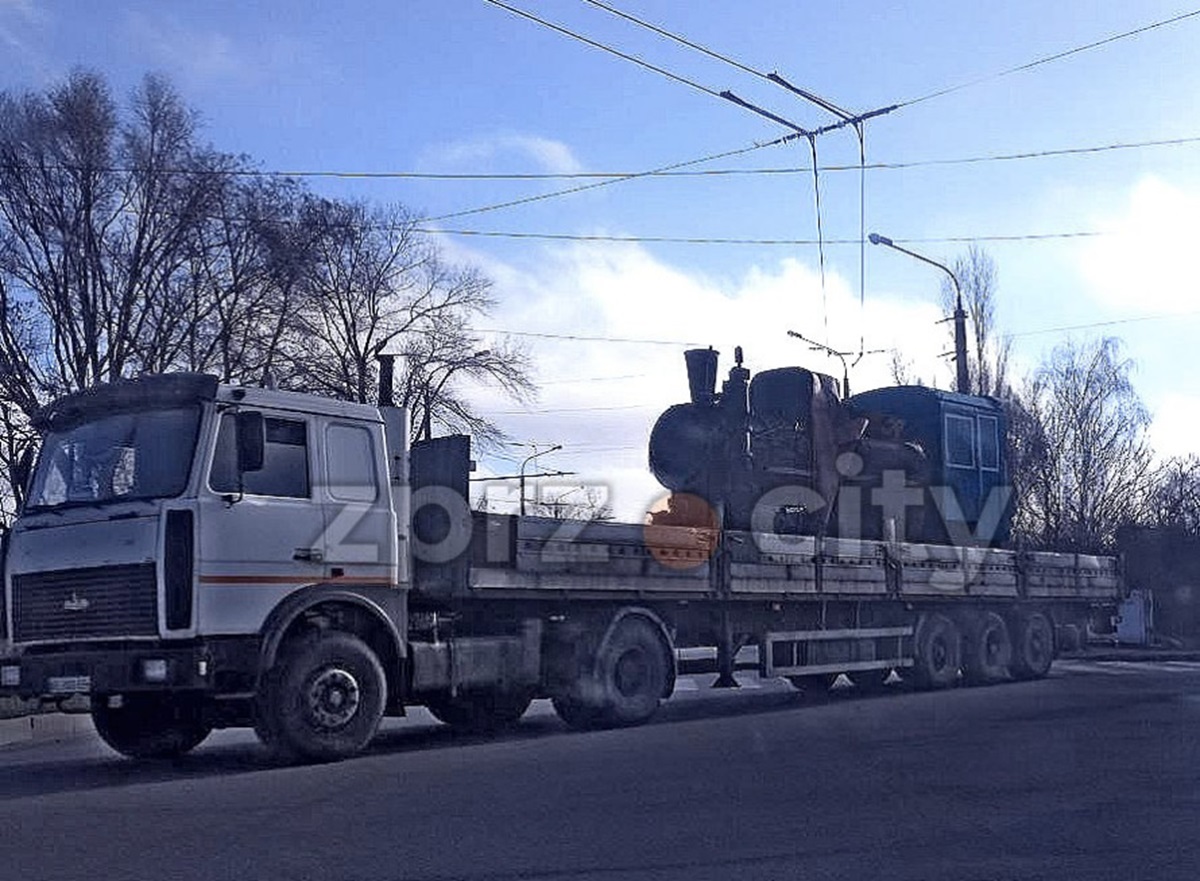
<point>154,669</point>
<point>10,676</point>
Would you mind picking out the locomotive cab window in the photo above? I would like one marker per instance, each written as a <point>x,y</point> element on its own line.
<point>285,461</point>
<point>960,441</point>
<point>989,443</point>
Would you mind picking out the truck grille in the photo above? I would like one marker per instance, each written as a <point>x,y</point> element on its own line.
<point>100,601</point>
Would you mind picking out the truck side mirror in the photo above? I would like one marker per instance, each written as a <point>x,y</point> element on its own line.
<point>251,434</point>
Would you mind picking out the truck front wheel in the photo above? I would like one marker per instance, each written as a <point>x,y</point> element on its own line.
<point>150,726</point>
<point>324,698</point>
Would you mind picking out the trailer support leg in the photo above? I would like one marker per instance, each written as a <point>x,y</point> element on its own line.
<point>727,650</point>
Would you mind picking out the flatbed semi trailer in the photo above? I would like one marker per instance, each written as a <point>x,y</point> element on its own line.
<point>194,555</point>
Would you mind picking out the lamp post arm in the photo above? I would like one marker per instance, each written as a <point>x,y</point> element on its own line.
<point>962,376</point>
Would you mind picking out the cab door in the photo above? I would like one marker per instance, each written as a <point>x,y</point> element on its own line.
<point>261,533</point>
<point>360,535</point>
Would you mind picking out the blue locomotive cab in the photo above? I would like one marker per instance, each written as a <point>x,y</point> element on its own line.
<point>963,438</point>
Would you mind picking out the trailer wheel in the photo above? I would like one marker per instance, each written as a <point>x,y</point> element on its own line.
<point>150,726</point>
<point>989,649</point>
<point>480,711</point>
<point>1033,650</point>
<point>938,652</point>
<point>324,700</point>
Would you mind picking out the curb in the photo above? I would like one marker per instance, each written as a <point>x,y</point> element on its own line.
<point>44,727</point>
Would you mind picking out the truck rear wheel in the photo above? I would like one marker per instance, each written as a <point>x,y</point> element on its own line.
<point>480,711</point>
<point>324,699</point>
<point>938,652</point>
<point>150,726</point>
<point>988,649</point>
<point>633,669</point>
<point>632,672</point>
<point>1033,647</point>
<point>577,713</point>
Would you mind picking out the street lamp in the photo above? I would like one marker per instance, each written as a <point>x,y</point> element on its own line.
<point>529,459</point>
<point>962,379</point>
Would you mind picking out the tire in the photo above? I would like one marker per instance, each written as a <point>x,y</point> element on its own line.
<point>577,713</point>
<point>481,711</point>
<point>938,652</point>
<point>1033,647</point>
<point>632,674</point>
<point>988,653</point>
<point>323,700</point>
<point>634,670</point>
<point>150,726</point>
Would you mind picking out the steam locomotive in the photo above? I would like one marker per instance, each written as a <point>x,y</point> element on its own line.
<point>783,453</point>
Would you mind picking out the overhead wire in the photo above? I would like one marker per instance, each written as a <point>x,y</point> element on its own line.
<point>1057,56</point>
<point>690,343</point>
<point>712,240</point>
<point>603,183</point>
<point>603,47</point>
<point>824,103</point>
<point>812,144</point>
<point>710,172</point>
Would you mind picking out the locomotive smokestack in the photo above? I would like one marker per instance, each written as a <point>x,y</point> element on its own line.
<point>702,374</point>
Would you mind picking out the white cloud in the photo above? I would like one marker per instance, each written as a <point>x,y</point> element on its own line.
<point>1173,431</point>
<point>201,57</point>
<point>600,399</point>
<point>551,156</point>
<point>22,30</point>
<point>1146,262</point>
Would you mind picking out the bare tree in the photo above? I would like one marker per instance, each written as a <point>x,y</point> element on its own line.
<point>987,352</point>
<point>126,246</point>
<point>901,369</point>
<point>99,216</point>
<point>376,284</point>
<point>572,503</point>
<point>1175,500</point>
<point>1082,466</point>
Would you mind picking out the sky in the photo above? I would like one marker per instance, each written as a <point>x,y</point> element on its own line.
<point>467,87</point>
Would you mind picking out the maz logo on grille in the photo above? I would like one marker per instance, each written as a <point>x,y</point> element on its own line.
<point>76,603</point>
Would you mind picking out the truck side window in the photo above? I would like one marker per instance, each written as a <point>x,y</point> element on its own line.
<point>285,461</point>
<point>350,463</point>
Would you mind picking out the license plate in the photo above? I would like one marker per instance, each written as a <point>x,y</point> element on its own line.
<point>69,684</point>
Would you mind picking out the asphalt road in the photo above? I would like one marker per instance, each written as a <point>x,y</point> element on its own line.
<point>1092,773</point>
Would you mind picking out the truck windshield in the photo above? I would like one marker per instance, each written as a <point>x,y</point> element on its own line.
<point>139,455</point>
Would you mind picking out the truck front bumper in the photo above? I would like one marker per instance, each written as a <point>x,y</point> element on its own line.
<point>60,673</point>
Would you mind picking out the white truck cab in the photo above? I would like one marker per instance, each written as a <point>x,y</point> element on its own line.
<point>176,527</point>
